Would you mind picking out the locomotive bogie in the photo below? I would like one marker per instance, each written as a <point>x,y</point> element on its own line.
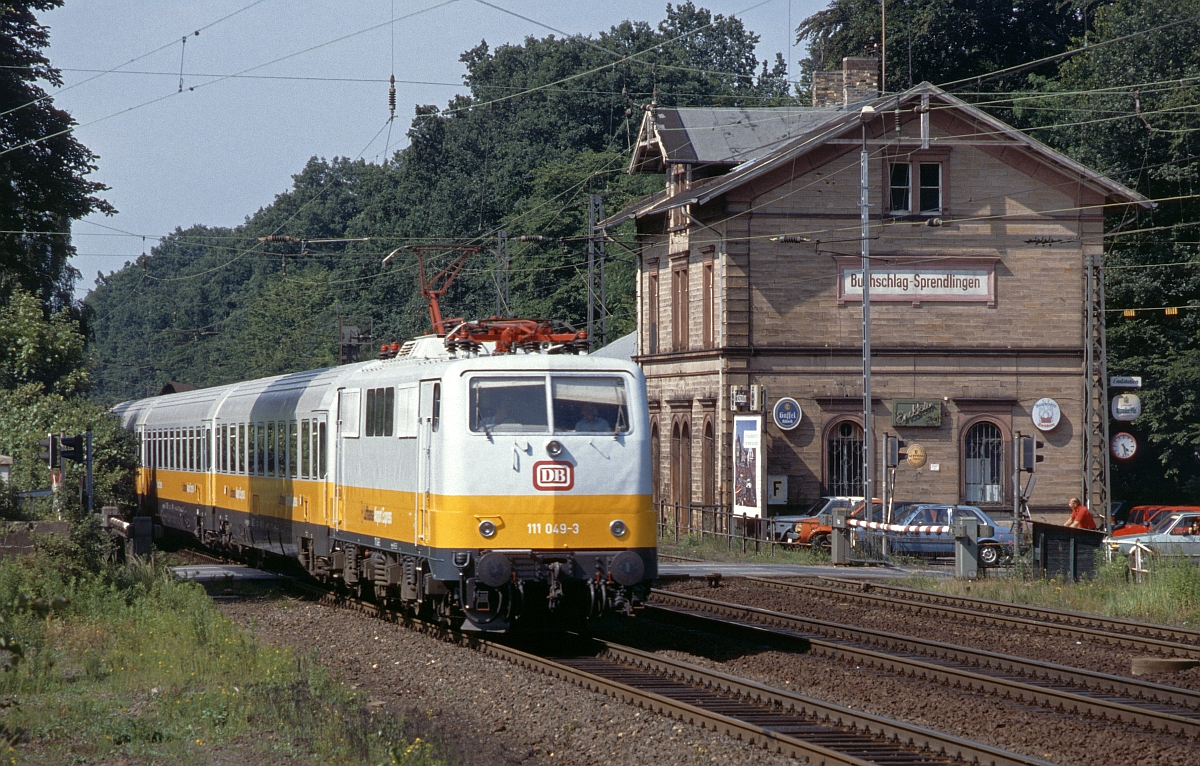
<point>495,490</point>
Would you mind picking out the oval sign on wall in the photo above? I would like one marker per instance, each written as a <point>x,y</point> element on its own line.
<point>787,413</point>
<point>916,455</point>
<point>1126,407</point>
<point>1046,414</point>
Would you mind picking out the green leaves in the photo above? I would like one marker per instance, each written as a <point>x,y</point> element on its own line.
<point>35,350</point>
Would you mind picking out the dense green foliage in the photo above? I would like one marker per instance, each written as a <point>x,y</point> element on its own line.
<point>45,185</point>
<point>215,305</point>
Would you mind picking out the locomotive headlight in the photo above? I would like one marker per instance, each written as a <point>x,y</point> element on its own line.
<point>554,448</point>
<point>487,528</point>
<point>618,528</point>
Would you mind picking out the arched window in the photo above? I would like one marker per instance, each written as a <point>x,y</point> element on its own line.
<point>655,459</point>
<point>685,463</point>
<point>844,467</point>
<point>676,450</point>
<point>983,464</point>
<point>708,465</point>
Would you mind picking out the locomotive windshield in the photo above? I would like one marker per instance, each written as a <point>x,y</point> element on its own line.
<point>589,404</point>
<point>509,405</point>
<point>581,404</point>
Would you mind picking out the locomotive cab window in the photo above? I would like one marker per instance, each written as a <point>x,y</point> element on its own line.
<point>591,404</point>
<point>509,405</point>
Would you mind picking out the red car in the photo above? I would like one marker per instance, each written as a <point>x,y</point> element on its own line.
<point>1141,518</point>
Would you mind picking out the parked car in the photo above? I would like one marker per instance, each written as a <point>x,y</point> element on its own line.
<point>813,531</point>
<point>783,528</point>
<point>992,549</point>
<point>1142,518</point>
<point>1175,534</point>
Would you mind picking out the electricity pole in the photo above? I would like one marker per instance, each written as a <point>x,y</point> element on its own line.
<point>865,207</point>
<point>596,252</point>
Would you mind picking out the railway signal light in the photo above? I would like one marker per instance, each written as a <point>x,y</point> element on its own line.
<point>894,446</point>
<point>1029,457</point>
<point>72,448</point>
<point>49,453</point>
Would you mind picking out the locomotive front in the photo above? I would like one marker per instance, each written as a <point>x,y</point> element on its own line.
<point>539,488</point>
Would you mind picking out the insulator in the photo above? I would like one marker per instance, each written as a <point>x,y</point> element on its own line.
<point>392,96</point>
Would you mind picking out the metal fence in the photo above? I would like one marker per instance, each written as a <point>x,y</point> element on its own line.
<point>737,530</point>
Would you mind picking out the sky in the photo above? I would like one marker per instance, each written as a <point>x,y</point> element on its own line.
<point>313,82</point>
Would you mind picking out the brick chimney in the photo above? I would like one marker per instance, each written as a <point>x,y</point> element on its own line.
<point>858,81</point>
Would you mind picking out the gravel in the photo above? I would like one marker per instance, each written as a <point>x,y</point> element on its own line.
<point>1062,650</point>
<point>496,713</point>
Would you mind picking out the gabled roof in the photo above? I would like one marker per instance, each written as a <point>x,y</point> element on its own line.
<point>841,123</point>
<point>713,136</point>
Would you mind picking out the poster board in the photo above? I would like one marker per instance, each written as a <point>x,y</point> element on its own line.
<point>748,465</point>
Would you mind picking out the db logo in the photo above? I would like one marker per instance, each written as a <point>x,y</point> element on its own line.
<point>553,475</point>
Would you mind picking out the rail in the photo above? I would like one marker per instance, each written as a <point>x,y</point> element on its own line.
<point>1165,709</point>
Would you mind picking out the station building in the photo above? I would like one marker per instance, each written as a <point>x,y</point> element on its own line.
<point>985,248</point>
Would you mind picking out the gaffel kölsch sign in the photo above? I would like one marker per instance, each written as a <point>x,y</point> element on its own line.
<point>933,280</point>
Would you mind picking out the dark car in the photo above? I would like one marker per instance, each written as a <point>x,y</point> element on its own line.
<point>992,549</point>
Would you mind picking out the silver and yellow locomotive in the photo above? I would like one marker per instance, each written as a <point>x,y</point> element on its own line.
<point>492,482</point>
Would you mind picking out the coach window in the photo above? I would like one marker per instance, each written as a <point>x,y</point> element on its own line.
<point>241,448</point>
<point>321,449</point>
<point>372,411</point>
<point>437,406</point>
<point>271,448</point>
<point>262,449</point>
<point>293,449</point>
<point>176,446</point>
<point>280,448</point>
<point>511,405</point>
<point>304,448</point>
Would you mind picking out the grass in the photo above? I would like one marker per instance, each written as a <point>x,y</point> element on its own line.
<point>140,668</point>
<point>1170,595</point>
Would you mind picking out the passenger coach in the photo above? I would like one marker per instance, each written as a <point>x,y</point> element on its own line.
<point>494,481</point>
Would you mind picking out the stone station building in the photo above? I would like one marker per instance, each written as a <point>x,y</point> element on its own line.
<point>983,242</point>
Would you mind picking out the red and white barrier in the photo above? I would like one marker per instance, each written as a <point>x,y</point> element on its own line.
<point>923,529</point>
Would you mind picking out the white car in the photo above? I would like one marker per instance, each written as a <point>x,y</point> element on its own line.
<point>1174,534</point>
<point>783,528</point>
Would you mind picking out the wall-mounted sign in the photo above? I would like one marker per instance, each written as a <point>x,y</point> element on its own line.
<point>1124,446</point>
<point>916,413</point>
<point>1126,407</point>
<point>971,280</point>
<point>1046,414</point>
<point>777,489</point>
<point>916,455</point>
<point>786,413</point>
<point>1125,381</point>
<point>748,465</point>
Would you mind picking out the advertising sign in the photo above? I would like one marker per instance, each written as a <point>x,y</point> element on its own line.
<point>916,413</point>
<point>1125,381</point>
<point>748,465</point>
<point>786,413</point>
<point>1046,414</point>
<point>1126,407</point>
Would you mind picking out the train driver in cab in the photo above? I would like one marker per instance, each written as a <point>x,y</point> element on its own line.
<point>591,421</point>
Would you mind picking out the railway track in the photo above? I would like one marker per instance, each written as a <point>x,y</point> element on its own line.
<point>1127,634</point>
<point>1146,705</point>
<point>810,730</point>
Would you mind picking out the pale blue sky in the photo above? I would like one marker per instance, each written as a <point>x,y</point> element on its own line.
<point>217,154</point>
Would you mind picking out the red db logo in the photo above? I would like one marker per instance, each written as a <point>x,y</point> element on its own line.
<point>553,475</point>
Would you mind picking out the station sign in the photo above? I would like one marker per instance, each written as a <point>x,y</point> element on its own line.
<point>970,280</point>
<point>916,413</point>
<point>1125,381</point>
<point>1046,414</point>
<point>787,413</point>
<point>1126,407</point>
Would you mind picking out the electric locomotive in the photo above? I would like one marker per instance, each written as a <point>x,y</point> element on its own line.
<point>489,478</point>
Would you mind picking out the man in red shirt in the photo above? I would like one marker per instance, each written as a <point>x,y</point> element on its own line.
<point>1081,517</point>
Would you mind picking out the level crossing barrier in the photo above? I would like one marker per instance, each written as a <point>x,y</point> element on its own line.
<point>966,539</point>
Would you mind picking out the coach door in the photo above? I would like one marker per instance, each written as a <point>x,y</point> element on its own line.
<point>427,412</point>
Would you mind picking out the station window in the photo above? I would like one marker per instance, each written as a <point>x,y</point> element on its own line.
<point>983,464</point>
<point>304,448</point>
<point>900,184</point>
<point>844,466</point>
<point>928,193</point>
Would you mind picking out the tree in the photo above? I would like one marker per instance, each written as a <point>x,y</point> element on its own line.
<point>943,40</point>
<point>1128,110</point>
<point>44,353</point>
<point>43,169</point>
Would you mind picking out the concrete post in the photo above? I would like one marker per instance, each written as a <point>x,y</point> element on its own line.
<point>840,542</point>
<point>967,532</point>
